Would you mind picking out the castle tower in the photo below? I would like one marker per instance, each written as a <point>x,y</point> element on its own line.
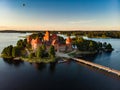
<point>47,36</point>
<point>69,43</point>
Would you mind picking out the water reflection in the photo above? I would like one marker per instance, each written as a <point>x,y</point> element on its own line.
<point>52,67</point>
<point>93,57</point>
<point>103,55</point>
<point>42,66</point>
<point>108,53</point>
<point>39,66</point>
<point>89,57</point>
<point>16,63</point>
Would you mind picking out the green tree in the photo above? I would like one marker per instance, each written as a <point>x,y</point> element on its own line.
<point>21,43</point>
<point>43,47</point>
<point>40,52</point>
<point>109,47</point>
<point>79,39</point>
<point>104,44</point>
<point>7,52</point>
<point>25,42</point>
<point>61,40</point>
<point>103,36</point>
<point>91,47</point>
<point>100,45</point>
<point>87,45</point>
<point>15,52</point>
<point>40,35</point>
<point>91,44</point>
<point>28,46</point>
<point>52,51</point>
<point>31,55</point>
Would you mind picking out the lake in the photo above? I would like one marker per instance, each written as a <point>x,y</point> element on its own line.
<point>72,75</point>
<point>109,59</point>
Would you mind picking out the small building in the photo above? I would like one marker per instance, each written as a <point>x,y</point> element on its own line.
<point>69,43</point>
<point>29,39</point>
<point>55,43</point>
<point>35,43</point>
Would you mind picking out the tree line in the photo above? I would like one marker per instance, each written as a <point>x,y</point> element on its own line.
<point>94,34</point>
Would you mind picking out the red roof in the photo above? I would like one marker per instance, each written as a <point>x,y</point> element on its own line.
<point>54,36</point>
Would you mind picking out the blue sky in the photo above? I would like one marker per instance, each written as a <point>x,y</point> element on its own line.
<point>60,14</point>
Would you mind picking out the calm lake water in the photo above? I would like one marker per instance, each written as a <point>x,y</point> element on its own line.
<point>109,59</point>
<point>24,75</point>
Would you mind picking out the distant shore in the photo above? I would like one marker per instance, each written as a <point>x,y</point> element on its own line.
<point>25,31</point>
<point>15,31</point>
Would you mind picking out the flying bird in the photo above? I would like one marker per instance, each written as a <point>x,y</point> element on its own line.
<point>24,4</point>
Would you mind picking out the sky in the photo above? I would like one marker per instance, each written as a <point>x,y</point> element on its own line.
<point>60,15</point>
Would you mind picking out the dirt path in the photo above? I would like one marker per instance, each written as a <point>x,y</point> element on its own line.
<point>65,55</point>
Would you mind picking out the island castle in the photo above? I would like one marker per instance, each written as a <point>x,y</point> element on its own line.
<point>50,39</point>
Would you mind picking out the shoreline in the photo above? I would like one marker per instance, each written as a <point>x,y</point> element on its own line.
<point>33,60</point>
<point>37,31</point>
<point>67,57</point>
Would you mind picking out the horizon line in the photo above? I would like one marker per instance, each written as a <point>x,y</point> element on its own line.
<point>54,30</point>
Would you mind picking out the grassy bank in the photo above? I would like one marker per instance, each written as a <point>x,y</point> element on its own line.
<point>81,52</point>
<point>39,60</point>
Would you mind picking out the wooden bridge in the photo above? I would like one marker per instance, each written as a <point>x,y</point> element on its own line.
<point>98,66</point>
<point>110,70</point>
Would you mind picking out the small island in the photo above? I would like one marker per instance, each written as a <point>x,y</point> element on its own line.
<point>44,47</point>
